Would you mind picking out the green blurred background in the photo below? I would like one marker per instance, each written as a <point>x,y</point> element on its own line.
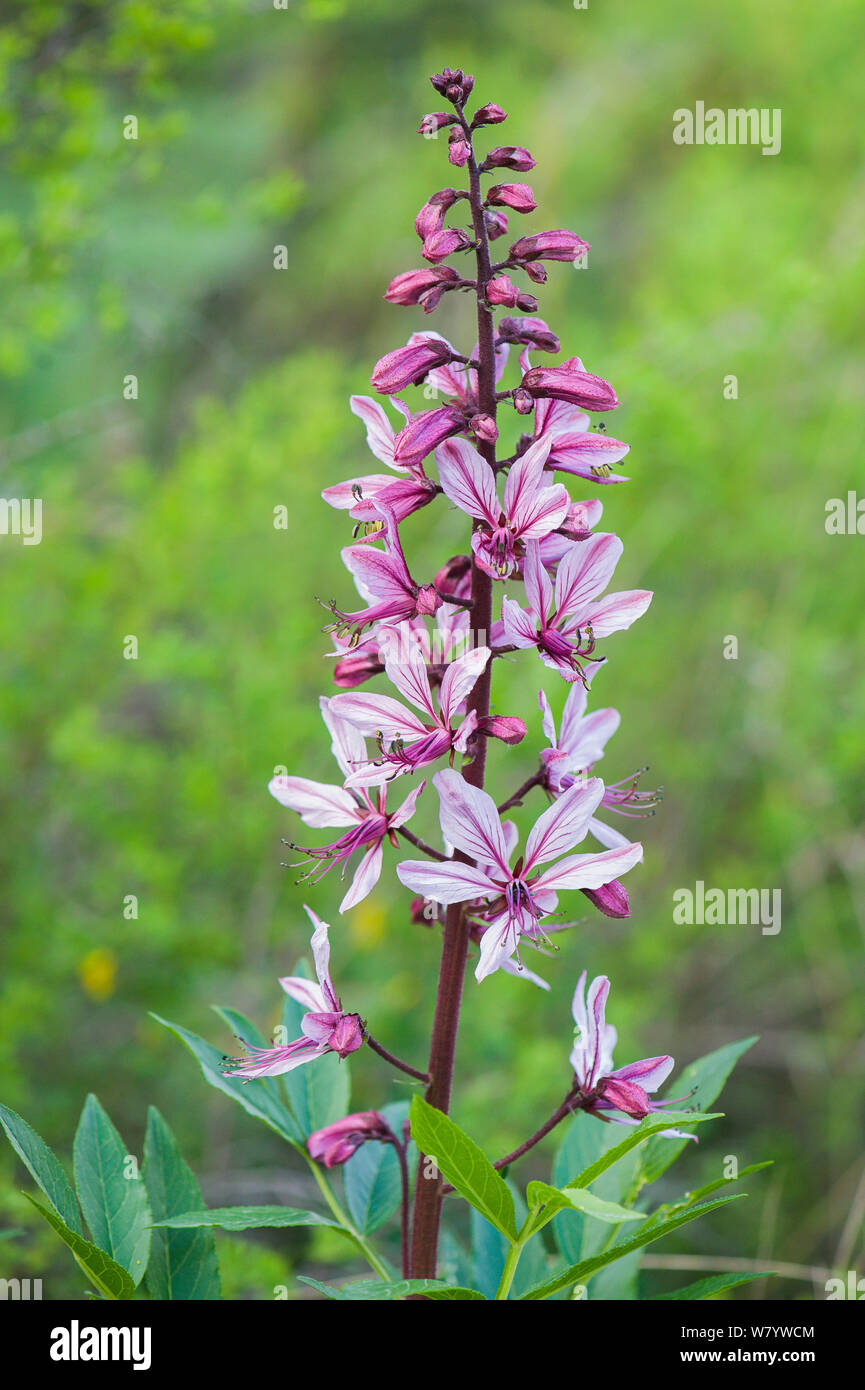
<point>260,127</point>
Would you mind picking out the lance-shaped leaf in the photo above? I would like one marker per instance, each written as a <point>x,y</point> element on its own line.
<point>706,1078</point>
<point>256,1097</point>
<point>43,1166</point>
<point>245,1218</point>
<point>183,1264</point>
<point>553,1199</point>
<point>108,1278</point>
<point>707,1288</point>
<point>578,1273</point>
<point>649,1127</point>
<point>376,1290</point>
<point>111,1192</point>
<point>464,1165</point>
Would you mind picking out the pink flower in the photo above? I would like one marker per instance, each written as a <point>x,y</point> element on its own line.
<point>326,1028</point>
<point>432,215</point>
<point>534,332</point>
<point>337,1142</point>
<point>459,150</point>
<point>549,246</point>
<point>626,1090</point>
<point>513,195</point>
<point>383,579</point>
<point>441,244</point>
<point>491,114</point>
<point>520,897</point>
<point>322,805</point>
<point>361,497</point>
<point>407,742</point>
<point>509,157</point>
<point>571,383</point>
<point>565,627</point>
<point>580,744</point>
<point>528,512</point>
<point>501,290</point>
<point>573,449</point>
<point>407,366</point>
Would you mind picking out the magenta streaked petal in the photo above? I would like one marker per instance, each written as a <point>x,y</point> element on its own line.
<point>446,883</point>
<point>460,679</point>
<point>591,870</point>
<point>564,823</point>
<point>470,821</point>
<point>366,876</point>
<point>616,612</point>
<point>585,572</point>
<point>468,480</point>
<point>318,804</point>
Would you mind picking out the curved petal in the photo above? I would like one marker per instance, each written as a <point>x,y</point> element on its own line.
<point>379,431</point>
<point>343,496</point>
<point>520,628</point>
<point>498,944</point>
<point>539,590</point>
<point>406,809</point>
<point>591,870</point>
<point>383,575</point>
<point>650,1073</point>
<point>405,668</point>
<point>616,612</point>
<point>468,480</point>
<point>563,824</point>
<point>585,572</point>
<point>347,744</point>
<point>459,679</point>
<point>378,714</point>
<point>584,739</point>
<point>446,883</point>
<point>524,479</point>
<point>317,803</point>
<point>366,876</point>
<point>610,838</point>
<point>470,821</point>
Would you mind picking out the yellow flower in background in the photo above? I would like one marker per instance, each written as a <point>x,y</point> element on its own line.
<point>97,972</point>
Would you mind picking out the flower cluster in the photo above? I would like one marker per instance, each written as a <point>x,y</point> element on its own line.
<point>532,576</point>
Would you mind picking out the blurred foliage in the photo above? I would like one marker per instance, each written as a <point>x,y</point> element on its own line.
<point>145,778</point>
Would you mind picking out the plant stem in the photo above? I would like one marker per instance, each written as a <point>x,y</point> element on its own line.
<point>394,1061</point>
<point>511,1261</point>
<point>428,1190</point>
<point>536,780</point>
<point>346,1226</point>
<point>563,1111</point>
<point>420,844</point>
<point>404,1232</point>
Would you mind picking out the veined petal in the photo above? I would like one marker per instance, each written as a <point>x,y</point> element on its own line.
<point>585,572</point>
<point>383,575</point>
<point>406,810</point>
<point>321,956</point>
<point>615,612</point>
<point>563,824</point>
<point>470,821</point>
<point>379,430</point>
<point>524,480</point>
<point>468,480</point>
<point>317,803</point>
<point>498,944</point>
<point>374,714</point>
<point>406,668</point>
<point>584,738</point>
<point>547,721</point>
<point>543,513</point>
<point>520,627</point>
<point>344,496</point>
<point>306,992</point>
<point>366,876</point>
<point>612,839</point>
<point>451,882</point>
<point>539,590</point>
<point>650,1073</point>
<point>459,679</point>
<point>591,870</point>
<point>347,744</point>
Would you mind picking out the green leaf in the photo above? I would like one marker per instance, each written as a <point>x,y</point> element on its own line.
<point>707,1288</point>
<point>376,1290</point>
<point>372,1181</point>
<point>318,1092</point>
<point>706,1078</point>
<point>586,1268</point>
<point>650,1126</point>
<point>43,1167</point>
<point>706,1191</point>
<point>245,1218</point>
<point>258,1098</point>
<point>115,1205</point>
<point>109,1278</point>
<point>553,1199</point>
<point>183,1264</point>
<point>464,1165</point>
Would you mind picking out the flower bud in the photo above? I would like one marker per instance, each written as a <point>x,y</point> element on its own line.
<point>501,290</point>
<point>533,332</point>
<point>434,121</point>
<point>489,115</point>
<point>509,157</point>
<point>524,403</point>
<point>459,149</point>
<point>431,216</point>
<point>445,243</point>
<point>626,1096</point>
<point>454,577</point>
<point>412,286</point>
<point>506,727</point>
<point>612,899</point>
<point>513,195</point>
<point>549,246</point>
<point>454,84</point>
<point>484,427</point>
<point>407,366</point>
<point>337,1142</point>
<point>571,384</point>
<point>425,432</point>
<point>428,601</point>
<point>536,272</point>
<point>496,224</point>
<point>351,671</point>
